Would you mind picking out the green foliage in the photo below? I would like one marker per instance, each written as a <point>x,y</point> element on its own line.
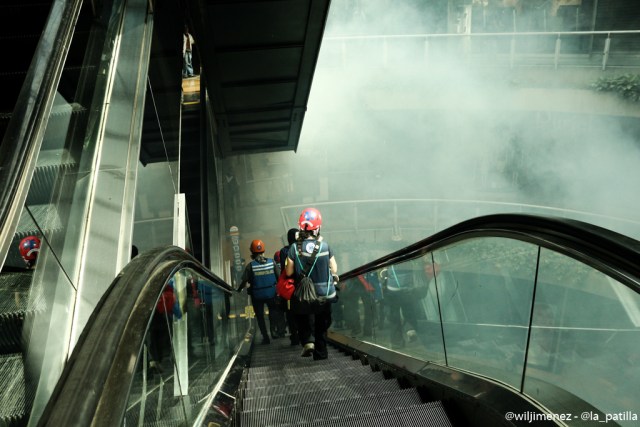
<point>626,85</point>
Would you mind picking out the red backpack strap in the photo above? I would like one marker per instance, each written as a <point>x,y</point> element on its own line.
<point>364,282</point>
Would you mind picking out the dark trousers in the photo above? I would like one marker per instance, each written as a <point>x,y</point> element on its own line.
<point>293,326</point>
<point>258,309</point>
<point>313,328</point>
<point>403,309</point>
<point>289,320</point>
<point>208,314</point>
<point>159,341</point>
<point>352,298</point>
<point>278,323</point>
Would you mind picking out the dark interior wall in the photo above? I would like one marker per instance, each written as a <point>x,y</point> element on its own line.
<point>162,104</point>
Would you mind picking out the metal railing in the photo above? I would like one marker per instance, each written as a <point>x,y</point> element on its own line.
<point>548,307</point>
<point>593,49</point>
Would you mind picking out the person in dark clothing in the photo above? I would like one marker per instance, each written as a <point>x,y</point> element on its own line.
<point>260,279</point>
<point>205,292</point>
<point>402,300</point>
<point>312,257</point>
<point>360,290</point>
<point>187,53</point>
<point>281,258</point>
<point>158,340</point>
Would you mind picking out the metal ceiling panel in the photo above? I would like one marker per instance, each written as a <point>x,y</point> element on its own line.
<point>258,59</point>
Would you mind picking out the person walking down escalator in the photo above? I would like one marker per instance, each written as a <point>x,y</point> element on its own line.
<point>281,258</point>
<point>260,279</point>
<point>402,300</point>
<point>187,53</point>
<point>360,291</point>
<point>159,338</point>
<point>311,258</point>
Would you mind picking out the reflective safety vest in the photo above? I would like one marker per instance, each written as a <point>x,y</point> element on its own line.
<point>320,270</point>
<point>263,285</point>
<point>399,279</point>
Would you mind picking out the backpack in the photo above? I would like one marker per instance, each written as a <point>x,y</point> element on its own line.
<point>285,286</point>
<point>166,301</point>
<point>304,296</point>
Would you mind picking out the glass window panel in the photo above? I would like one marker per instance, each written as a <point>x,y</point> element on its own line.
<point>191,338</point>
<point>37,298</point>
<point>393,307</point>
<point>485,288</point>
<point>585,337</point>
<point>155,195</point>
<point>355,313</point>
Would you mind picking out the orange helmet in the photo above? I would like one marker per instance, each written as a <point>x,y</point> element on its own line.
<point>257,247</point>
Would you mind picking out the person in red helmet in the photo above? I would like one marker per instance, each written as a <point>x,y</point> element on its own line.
<point>260,279</point>
<point>29,248</point>
<point>312,257</point>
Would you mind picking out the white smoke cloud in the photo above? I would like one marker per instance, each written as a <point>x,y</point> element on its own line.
<point>395,119</point>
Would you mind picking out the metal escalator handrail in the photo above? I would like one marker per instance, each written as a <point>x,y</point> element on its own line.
<point>23,138</point>
<point>608,251</point>
<point>95,383</point>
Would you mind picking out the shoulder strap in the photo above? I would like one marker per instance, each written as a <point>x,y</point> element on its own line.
<point>314,257</point>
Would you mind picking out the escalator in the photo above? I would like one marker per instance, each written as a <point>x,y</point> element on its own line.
<point>51,87</point>
<point>281,388</point>
<point>470,360</point>
<point>22,26</point>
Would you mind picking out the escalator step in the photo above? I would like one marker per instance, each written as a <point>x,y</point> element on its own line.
<point>430,414</point>
<point>291,358</point>
<point>48,219</point>
<point>299,372</point>
<point>11,282</point>
<point>283,389</point>
<point>334,379</point>
<point>11,332</point>
<point>314,411</point>
<point>14,294</point>
<point>288,355</point>
<point>42,184</point>
<point>12,387</point>
<point>276,358</point>
<point>339,392</point>
<point>300,364</point>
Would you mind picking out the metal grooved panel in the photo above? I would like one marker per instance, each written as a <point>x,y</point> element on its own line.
<point>284,389</point>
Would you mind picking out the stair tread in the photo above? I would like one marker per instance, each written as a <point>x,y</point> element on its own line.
<point>281,389</point>
<point>423,414</point>
<point>316,383</point>
<point>343,392</point>
<point>12,386</point>
<point>300,371</point>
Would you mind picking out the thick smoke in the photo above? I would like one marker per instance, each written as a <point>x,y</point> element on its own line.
<point>400,118</point>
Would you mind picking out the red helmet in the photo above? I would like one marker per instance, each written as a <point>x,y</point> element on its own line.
<point>29,248</point>
<point>310,219</point>
<point>257,247</point>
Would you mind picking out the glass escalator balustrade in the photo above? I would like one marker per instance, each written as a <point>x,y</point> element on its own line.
<point>191,338</point>
<point>478,306</point>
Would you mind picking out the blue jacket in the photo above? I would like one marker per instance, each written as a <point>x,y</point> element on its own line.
<point>399,278</point>
<point>262,276</point>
